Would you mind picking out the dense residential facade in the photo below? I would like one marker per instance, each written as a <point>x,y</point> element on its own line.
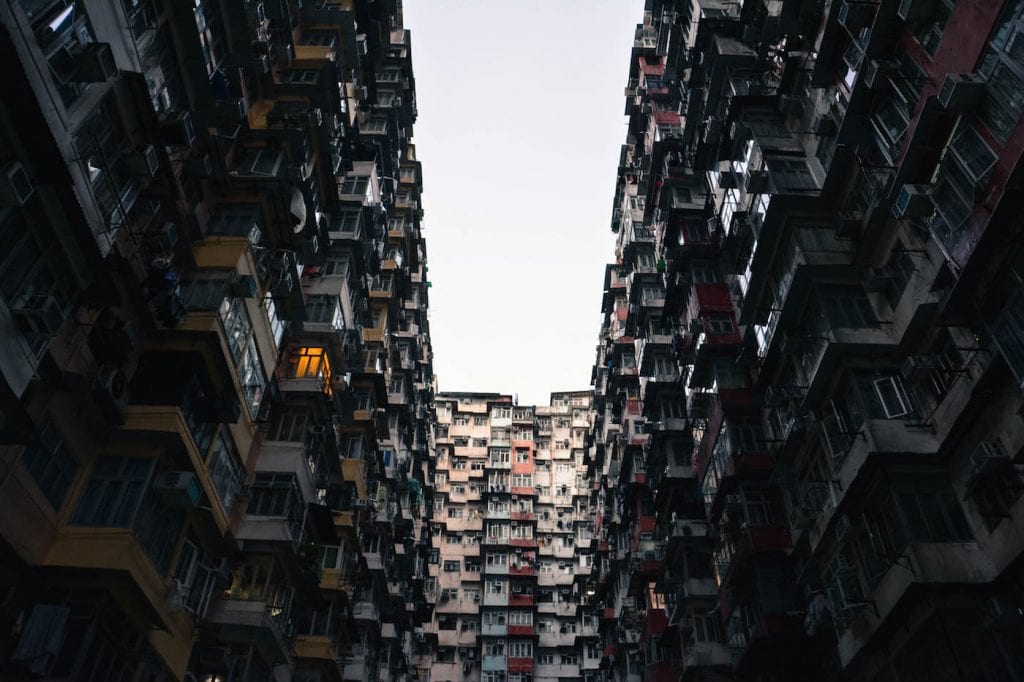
<point>512,540</point>
<point>223,456</point>
<point>807,437</point>
<point>214,346</point>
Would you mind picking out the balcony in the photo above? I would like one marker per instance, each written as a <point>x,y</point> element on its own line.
<point>520,665</point>
<point>119,554</point>
<point>260,622</point>
<point>689,529</point>
<point>500,599</point>
<point>365,610</point>
<point>520,599</point>
<point>494,629</point>
<point>705,655</point>
<point>319,649</point>
<point>697,588</point>
<point>171,420</point>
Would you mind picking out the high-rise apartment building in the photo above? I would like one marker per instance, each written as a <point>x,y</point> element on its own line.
<point>214,345</point>
<point>223,457</point>
<point>512,540</point>
<point>807,440</point>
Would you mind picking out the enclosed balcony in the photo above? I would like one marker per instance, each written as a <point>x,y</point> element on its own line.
<point>257,606</point>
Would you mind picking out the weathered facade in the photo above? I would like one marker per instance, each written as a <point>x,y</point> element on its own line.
<point>213,339</point>
<point>807,439</point>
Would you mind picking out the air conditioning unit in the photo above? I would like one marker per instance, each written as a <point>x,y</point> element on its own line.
<point>989,457</point>
<point>15,185</point>
<point>144,161</point>
<point>110,391</point>
<point>178,488</point>
<point>94,64</point>
<point>917,367</point>
<point>39,315</point>
<point>962,92</point>
<point>914,201</point>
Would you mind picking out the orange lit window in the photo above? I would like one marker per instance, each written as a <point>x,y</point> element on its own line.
<point>312,363</point>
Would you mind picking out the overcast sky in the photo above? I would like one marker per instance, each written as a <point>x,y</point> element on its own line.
<point>520,124</point>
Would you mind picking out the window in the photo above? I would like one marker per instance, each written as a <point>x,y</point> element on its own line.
<point>890,396</point>
<point>226,471</point>
<point>847,307</point>
<point>520,649</point>
<point>206,290</point>
<point>904,509</point>
<point>522,456</point>
<point>494,618</point>
<point>51,466</point>
<point>239,333</point>
<point>899,269</point>
<point>276,495</point>
<point>118,495</point>
<point>452,539</point>
<point>375,125</point>
<point>479,421</point>
<point>303,76</point>
<point>522,481</point>
<point>569,659</point>
<point>292,425</point>
<point>764,508</point>
<point>324,309</point>
<point>720,323</point>
<point>356,186</point>
<point>114,491</point>
<point>518,617</point>
<point>790,174</point>
<point>261,162</point>
<point>277,325</point>
<point>451,566</point>
<point>494,647</point>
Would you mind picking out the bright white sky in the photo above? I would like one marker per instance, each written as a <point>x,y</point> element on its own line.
<point>520,124</point>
